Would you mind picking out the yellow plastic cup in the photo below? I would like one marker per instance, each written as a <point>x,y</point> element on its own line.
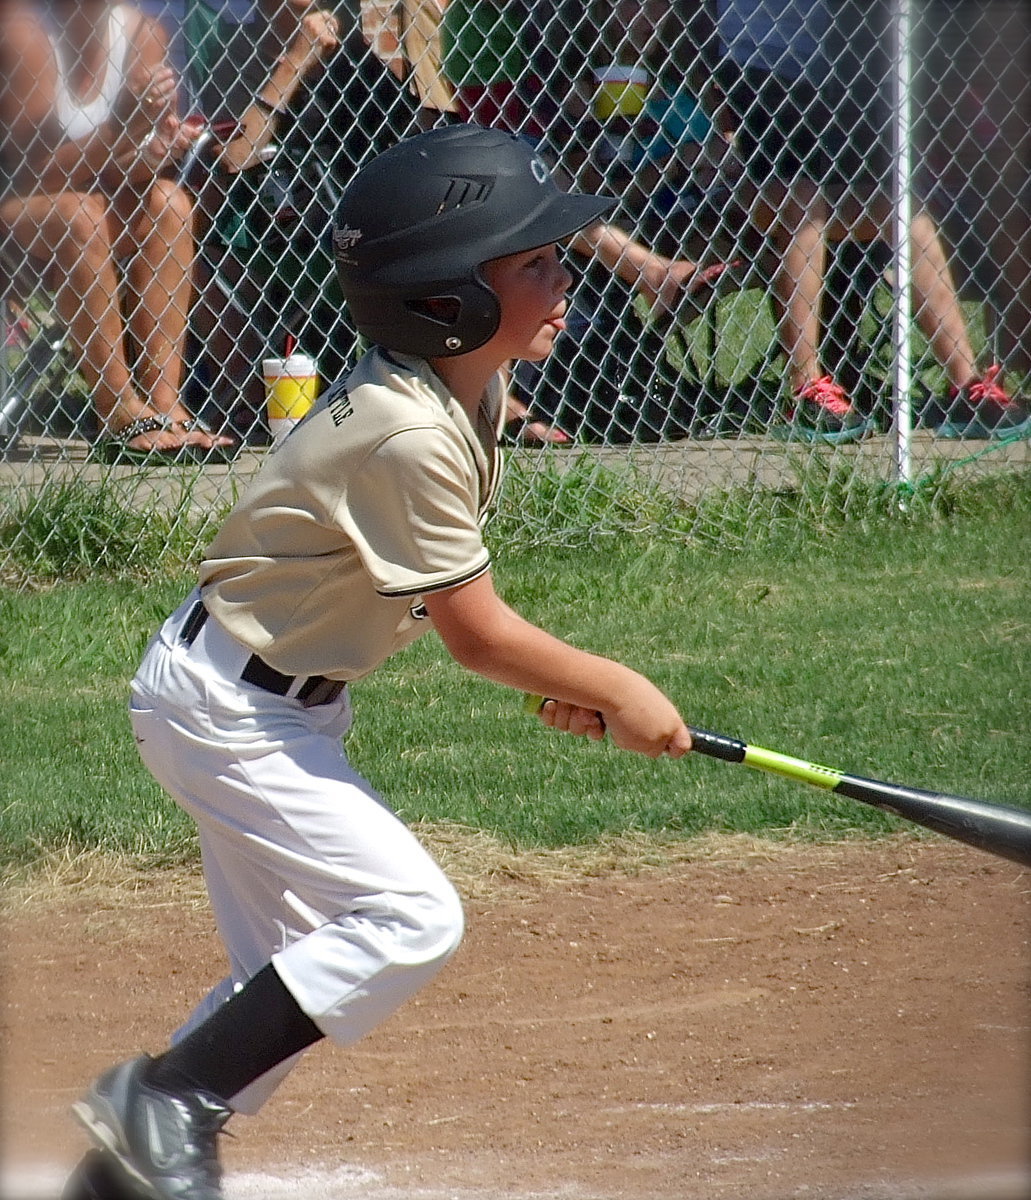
<point>291,387</point>
<point>619,91</point>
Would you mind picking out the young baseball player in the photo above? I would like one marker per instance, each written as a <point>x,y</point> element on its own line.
<point>361,532</point>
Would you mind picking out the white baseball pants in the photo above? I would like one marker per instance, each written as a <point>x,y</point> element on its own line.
<point>304,864</point>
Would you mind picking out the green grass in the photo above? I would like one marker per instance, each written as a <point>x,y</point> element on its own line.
<point>72,530</point>
<point>574,501</point>
<point>897,647</point>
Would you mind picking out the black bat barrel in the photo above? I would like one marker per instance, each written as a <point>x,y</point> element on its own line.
<point>998,828</point>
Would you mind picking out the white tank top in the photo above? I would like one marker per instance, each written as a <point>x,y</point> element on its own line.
<point>78,119</point>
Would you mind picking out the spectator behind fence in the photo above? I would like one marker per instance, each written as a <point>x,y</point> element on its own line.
<point>249,69</point>
<point>305,77</point>
<point>260,68</point>
<point>405,36</point>
<point>515,64</point>
<point>798,126</point>
<point>90,137</point>
<point>640,121</point>
<point>633,125</point>
<point>177,17</point>
<point>306,101</point>
<point>973,126</point>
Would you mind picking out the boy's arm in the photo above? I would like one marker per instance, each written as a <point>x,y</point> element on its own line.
<point>482,633</point>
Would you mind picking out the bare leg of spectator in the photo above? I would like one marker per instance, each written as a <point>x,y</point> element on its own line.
<point>800,228</point>
<point>936,307</point>
<point>70,230</point>
<point>799,233</point>
<point>158,233</point>
<point>796,224</point>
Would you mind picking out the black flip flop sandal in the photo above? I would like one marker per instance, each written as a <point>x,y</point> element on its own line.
<point>114,448</point>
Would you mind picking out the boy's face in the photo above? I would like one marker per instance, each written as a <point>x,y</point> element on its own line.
<point>531,288</point>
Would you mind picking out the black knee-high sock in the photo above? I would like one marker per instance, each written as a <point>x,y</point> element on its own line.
<point>252,1032</point>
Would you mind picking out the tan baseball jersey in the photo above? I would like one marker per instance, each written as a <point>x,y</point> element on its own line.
<point>376,498</point>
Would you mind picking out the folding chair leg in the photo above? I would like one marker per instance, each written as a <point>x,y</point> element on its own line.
<point>20,381</point>
<point>14,408</point>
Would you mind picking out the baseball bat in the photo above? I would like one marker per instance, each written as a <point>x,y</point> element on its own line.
<point>1000,829</point>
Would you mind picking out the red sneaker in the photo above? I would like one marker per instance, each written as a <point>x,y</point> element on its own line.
<point>826,395</point>
<point>983,409</point>
<point>823,413</point>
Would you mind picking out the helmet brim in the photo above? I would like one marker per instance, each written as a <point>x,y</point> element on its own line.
<point>559,218</point>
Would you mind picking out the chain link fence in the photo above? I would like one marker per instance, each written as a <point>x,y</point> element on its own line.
<point>747,310</point>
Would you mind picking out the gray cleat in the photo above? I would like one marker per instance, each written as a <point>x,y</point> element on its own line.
<point>165,1142</point>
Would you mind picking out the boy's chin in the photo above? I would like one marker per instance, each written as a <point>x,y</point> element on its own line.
<point>539,351</point>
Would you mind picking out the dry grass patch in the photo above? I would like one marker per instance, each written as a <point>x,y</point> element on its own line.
<point>480,865</point>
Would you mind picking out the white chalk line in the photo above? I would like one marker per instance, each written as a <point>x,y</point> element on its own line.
<point>44,1182</point>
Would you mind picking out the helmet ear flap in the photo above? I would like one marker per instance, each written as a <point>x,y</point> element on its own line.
<point>454,319</point>
<point>445,309</point>
<point>477,319</point>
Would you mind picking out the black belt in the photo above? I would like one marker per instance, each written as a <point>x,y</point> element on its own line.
<point>315,690</point>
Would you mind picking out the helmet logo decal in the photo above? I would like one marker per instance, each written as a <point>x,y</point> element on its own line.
<point>344,240</point>
<point>538,170</point>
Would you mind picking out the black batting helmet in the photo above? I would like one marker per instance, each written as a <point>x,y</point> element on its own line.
<point>416,223</point>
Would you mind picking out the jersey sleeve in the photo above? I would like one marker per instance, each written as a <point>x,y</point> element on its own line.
<point>412,512</point>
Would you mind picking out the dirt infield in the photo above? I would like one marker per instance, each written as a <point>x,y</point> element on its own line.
<point>822,1023</point>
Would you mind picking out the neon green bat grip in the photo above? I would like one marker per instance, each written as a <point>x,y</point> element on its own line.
<point>1000,829</point>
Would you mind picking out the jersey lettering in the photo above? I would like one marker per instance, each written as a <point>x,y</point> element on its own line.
<point>340,406</point>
